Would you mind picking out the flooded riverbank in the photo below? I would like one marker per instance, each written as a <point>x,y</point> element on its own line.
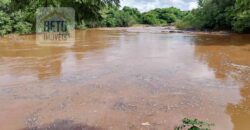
<point>118,80</point>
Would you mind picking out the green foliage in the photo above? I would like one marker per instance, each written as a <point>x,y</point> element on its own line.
<point>125,20</point>
<point>88,10</point>
<point>242,22</point>
<point>23,27</point>
<point>162,16</point>
<point>14,22</point>
<point>170,18</point>
<point>20,25</point>
<point>81,25</point>
<point>194,124</point>
<point>19,15</point>
<point>219,14</point>
<point>133,12</point>
<point>188,22</point>
<point>113,17</point>
<point>5,23</point>
<point>4,5</point>
<point>242,16</point>
<point>150,18</point>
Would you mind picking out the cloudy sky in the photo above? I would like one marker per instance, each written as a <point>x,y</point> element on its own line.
<point>145,5</point>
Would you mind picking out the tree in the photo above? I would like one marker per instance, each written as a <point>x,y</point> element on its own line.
<point>162,16</point>
<point>114,17</point>
<point>23,17</point>
<point>133,12</point>
<point>5,23</point>
<point>150,18</point>
<point>242,16</point>
<point>220,14</point>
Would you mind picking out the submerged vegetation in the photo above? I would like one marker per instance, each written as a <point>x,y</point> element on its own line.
<point>194,124</point>
<point>19,16</point>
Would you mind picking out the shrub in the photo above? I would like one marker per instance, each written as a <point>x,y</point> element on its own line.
<point>169,18</point>
<point>162,16</point>
<point>188,22</point>
<point>242,22</point>
<point>5,23</point>
<point>149,18</point>
<point>20,25</point>
<point>23,27</point>
<point>120,18</point>
<point>81,25</point>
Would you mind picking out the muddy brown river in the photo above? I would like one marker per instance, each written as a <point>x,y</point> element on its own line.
<point>125,79</point>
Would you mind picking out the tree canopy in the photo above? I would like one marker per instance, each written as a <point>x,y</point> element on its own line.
<point>19,15</point>
<point>219,14</point>
<point>162,16</point>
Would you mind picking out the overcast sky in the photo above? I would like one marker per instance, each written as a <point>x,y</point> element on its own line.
<point>145,5</point>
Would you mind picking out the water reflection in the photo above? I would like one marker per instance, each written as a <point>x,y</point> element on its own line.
<point>20,56</point>
<point>230,59</point>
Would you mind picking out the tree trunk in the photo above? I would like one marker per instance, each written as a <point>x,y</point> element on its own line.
<point>46,3</point>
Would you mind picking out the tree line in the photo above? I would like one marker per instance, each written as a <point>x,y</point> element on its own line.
<point>127,16</point>
<point>218,15</point>
<point>18,16</point>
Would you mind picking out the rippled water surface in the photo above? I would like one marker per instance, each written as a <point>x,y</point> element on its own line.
<point>119,79</point>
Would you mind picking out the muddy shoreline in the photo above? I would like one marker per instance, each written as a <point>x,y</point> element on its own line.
<point>138,29</point>
<point>165,29</point>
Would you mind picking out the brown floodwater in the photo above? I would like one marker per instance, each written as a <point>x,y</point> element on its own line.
<point>125,79</point>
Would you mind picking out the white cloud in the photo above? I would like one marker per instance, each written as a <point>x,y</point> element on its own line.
<point>192,5</point>
<point>145,5</point>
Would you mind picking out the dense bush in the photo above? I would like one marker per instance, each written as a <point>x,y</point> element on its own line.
<point>5,23</point>
<point>162,16</point>
<point>127,16</point>
<point>113,17</point>
<point>19,16</point>
<point>149,18</point>
<point>15,22</point>
<point>241,21</point>
<point>188,22</point>
<point>134,13</point>
<point>219,15</point>
<point>20,25</point>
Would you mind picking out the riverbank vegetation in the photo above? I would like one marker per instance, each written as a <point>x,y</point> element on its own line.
<point>127,16</point>
<point>19,16</point>
<point>218,15</point>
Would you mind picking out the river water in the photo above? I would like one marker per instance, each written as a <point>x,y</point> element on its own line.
<point>125,79</point>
